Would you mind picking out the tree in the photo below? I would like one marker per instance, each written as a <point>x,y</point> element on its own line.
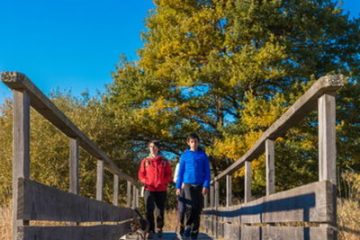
<point>228,69</point>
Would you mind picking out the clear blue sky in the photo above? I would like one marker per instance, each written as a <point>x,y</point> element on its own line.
<point>74,44</point>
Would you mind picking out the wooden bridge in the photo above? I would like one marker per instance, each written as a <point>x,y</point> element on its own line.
<point>305,212</point>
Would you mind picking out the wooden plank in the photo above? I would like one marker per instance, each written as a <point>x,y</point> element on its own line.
<point>228,190</point>
<point>270,166</point>
<point>290,118</point>
<point>216,189</point>
<point>212,196</point>
<point>74,166</point>
<point>40,202</point>
<point>48,110</point>
<point>99,180</point>
<point>247,183</point>
<point>327,138</point>
<point>250,233</point>
<point>309,203</point>
<point>103,232</point>
<point>128,194</point>
<point>21,152</point>
<point>231,231</point>
<point>116,191</point>
<point>297,233</point>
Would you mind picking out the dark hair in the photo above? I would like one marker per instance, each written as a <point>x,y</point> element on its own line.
<point>155,142</point>
<point>193,136</point>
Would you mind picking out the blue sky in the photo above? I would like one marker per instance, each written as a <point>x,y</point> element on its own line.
<point>75,44</point>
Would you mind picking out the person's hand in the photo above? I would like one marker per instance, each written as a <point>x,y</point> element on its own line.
<point>205,191</point>
<point>178,192</point>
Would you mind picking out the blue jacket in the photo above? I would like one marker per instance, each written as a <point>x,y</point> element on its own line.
<point>194,169</point>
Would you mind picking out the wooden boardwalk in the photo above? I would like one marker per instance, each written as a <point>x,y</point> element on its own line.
<point>166,236</point>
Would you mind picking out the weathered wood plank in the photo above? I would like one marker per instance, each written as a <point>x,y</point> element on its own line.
<point>103,232</point>
<point>247,183</point>
<point>48,110</point>
<point>290,118</point>
<point>40,202</point>
<point>297,233</point>
<point>270,166</point>
<point>74,166</point>
<point>128,194</point>
<point>116,191</point>
<point>327,138</point>
<point>21,151</point>
<point>99,180</point>
<point>228,190</point>
<point>309,203</point>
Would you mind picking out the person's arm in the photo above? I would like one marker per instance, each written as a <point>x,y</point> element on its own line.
<point>180,177</point>
<point>207,179</point>
<point>176,173</point>
<point>142,172</point>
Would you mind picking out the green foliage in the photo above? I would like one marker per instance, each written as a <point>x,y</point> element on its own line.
<point>229,69</point>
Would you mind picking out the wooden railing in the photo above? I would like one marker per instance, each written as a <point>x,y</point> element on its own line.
<point>35,201</point>
<point>305,212</point>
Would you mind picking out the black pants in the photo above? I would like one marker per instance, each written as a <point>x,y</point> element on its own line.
<point>181,210</point>
<point>194,204</point>
<point>155,200</point>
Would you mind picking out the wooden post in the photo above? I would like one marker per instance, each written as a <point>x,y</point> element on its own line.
<point>206,200</point>
<point>99,180</point>
<point>21,152</point>
<point>74,166</point>
<point>133,205</point>
<point>217,200</point>
<point>228,191</point>
<point>270,166</point>
<point>128,194</point>
<point>212,202</point>
<point>248,174</point>
<point>327,137</point>
<point>116,190</point>
<point>137,198</point>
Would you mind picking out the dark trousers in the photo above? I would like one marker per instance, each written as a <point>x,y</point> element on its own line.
<point>181,210</point>
<point>194,204</point>
<point>155,200</point>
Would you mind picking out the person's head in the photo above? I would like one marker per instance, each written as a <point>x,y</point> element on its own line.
<point>193,141</point>
<point>154,147</point>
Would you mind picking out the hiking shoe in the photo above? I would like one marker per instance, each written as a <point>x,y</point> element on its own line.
<point>187,232</point>
<point>159,233</point>
<point>150,235</point>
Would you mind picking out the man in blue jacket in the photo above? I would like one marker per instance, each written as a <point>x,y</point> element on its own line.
<point>194,180</point>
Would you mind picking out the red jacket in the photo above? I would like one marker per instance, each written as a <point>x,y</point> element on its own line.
<point>155,173</point>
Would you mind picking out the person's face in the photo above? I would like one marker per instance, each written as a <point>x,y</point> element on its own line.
<point>154,150</point>
<point>193,144</point>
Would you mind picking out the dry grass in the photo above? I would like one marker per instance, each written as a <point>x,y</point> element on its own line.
<point>5,223</point>
<point>349,220</point>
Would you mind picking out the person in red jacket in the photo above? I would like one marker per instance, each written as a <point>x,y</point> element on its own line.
<point>155,173</point>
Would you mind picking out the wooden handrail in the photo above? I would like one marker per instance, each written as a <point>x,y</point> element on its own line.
<point>290,118</point>
<point>42,104</point>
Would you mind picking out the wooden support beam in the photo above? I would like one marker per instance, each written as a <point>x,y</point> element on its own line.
<point>21,152</point>
<point>133,204</point>
<point>212,196</point>
<point>128,194</point>
<point>228,191</point>
<point>217,200</point>
<point>327,138</point>
<point>99,180</point>
<point>116,190</point>
<point>74,166</point>
<point>270,166</point>
<point>248,176</point>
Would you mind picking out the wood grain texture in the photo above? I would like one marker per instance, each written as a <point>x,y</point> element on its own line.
<point>40,202</point>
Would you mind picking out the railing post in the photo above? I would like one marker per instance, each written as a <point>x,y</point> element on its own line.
<point>21,151</point>
<point>74,166</point>
<point>270,166</point>
<point>128,194</point>
<point>133,205</point>
<point>99,180</point>
<point>216,224</point>
<point>212,202</point>
<point>327,137</point>
<point>248,174</point>
<point>116,190</point>
<point>206,200</point>
<point>228,191</point>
